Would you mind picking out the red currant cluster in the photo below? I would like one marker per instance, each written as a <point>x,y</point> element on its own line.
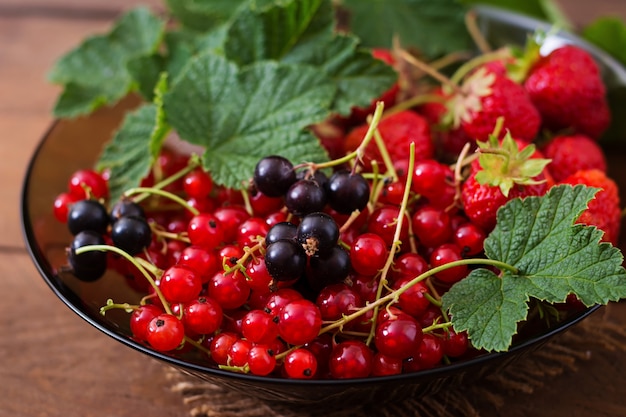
<point>291,277</point>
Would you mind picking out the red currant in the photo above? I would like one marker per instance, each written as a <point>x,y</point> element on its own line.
<point>300,364</point>
<point>261,360</point>
<point>62,205</point>
<point>368,254</point>
<point>198,184</point>
<point>180,284</point>
<point>86,183</point>
<point>205,230</point>
<point>165,332</point>
<point>351,359</point>
<point>444,254</point>
<point>202,315</point>
<point>299,322</point>
<point>398,338</point>
<point>259,326</point>
<point>141,318</point>
<point>337,300</point>
<point>230,290</point>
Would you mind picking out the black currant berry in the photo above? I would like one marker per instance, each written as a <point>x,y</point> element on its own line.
<point>304,197</point>
<point>317,233</point>
<point>347,191</point>
<point>318,176</point>
<point>282,230</point>
<point>131,234</point>
<point>332,268</point>
<point>87,215</point>
<point>126,208</point>
<point>273,175</point>
<point>90,265</point>
<point>285,260</point>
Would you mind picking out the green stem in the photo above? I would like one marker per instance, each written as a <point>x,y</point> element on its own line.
<point>382,148</point>
<point>132,260</point>
<point>360,150</point>
<point>194,162</point>
<point>162,193</point>
<point>479,60</point>
<point>393,296</point>
<point>396,239</point>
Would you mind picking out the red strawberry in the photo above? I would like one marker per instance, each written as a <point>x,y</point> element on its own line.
<point>567,89</point>
<point>398,130</point>
<point>505,172</point>
<point>604,210</point>
<point>570,153</point>
<point>488,94</point>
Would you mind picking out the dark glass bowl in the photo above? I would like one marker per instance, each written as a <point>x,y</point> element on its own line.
<point>70,145</point>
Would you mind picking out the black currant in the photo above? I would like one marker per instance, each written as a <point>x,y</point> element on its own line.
<point>90,265</point>
<point>126,208</point>
<point>332,268</point>
<point>318,176</point>
<point>282,230</point>
<point>318,233</point>
<point>131,234</point>
<point>304,197</point>
<point>273,175</point>
<point>87,215</point>
<point>347,191</point>
<point>285,260</point>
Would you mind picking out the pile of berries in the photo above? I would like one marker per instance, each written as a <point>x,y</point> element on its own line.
<point>336,270</point>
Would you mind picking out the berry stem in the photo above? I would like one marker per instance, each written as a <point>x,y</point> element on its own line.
<point>110,305</point>
<point>161,193</point>
<point>380,142</point>
<point>396,238</point>
<point>470,65</point>
<point>194,162</point>
<point>393,295</point>
<point>360,151</point>
<point>135,262</point>
<point>475,33</point>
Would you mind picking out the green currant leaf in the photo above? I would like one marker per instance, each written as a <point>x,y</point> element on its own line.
<point>359,77</point>
<point>436,27</point>
<point>488,307</point>
<point>161,127</point>
<point>95,73</point>
<point>303,32</point>
<point>125,155</point>
<point>277,32</point>
<point>204,15</point>
<point>248,113</point>
<point>553,257</point>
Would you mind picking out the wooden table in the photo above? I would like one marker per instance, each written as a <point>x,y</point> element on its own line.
<point>54,364</point>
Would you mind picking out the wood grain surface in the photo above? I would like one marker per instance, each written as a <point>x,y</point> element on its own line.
<point>54,364</point>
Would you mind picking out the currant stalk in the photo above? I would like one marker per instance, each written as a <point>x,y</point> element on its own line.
<point>135,261</point>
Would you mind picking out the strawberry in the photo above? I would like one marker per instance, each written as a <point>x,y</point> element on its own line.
<point>604,210</point>
<point>567,89</point>
<point>398,130</point>
<point>488,94</point>
<point>570,153</point>
<point>506,172</point>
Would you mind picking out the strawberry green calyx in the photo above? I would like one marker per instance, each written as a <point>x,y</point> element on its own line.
<point>503,164</point>
<point>524,59</point>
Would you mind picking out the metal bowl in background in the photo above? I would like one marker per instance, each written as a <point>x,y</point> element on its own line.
<point>70,145</point>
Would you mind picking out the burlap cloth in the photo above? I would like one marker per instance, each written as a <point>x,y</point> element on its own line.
<point>594,335</point>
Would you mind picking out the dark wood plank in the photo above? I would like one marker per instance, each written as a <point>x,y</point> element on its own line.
<point>56,364</point>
